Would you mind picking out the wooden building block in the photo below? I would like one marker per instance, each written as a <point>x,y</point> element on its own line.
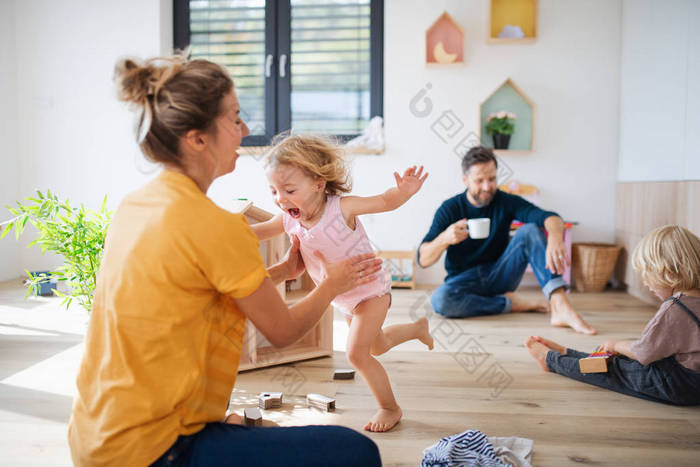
<point>344,374</point>
<point>270,400</point>
<point>252,416</point>
<point>320,402</point>
<point>596,362</point>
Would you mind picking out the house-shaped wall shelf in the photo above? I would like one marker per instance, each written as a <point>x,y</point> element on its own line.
<point>510,98</point>
<point>257,352</point>
<point>512,21</point>
<point>444,42</point>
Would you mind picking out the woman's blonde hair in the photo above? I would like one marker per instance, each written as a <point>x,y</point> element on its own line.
<point>669,257</point>
<point>172,95</point>
<point>318,156</point>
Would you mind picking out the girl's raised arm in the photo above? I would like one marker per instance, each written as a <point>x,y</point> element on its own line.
<point>268,229</point>
<point>406,186</point>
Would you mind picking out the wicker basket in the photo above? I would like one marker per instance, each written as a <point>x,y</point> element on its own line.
<point>592,265</point>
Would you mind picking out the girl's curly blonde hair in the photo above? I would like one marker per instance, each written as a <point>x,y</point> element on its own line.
<point>669,257</point>
<point>318,156</point>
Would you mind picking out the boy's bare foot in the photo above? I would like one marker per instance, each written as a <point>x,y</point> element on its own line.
<point>551,345</point>
<point>424,335</point>
<point>563,314</point>
<point>521,304</point>
<point>538,352</point>
<point>384,420</point>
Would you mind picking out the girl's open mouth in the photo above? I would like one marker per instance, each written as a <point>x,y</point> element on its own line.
<point>294,212</point>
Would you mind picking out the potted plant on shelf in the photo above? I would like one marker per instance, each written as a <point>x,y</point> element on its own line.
<point>500,126</point>
<point>77,234</point>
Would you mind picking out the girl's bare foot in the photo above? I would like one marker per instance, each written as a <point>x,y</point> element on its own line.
<point>564,315</point>
<point>538,352</point>
<point>384,420</point>
<point>424,335</point>
<point>520,304</point>
<point>551,345</point>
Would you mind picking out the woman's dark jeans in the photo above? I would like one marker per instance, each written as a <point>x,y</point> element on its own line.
<point>221,444</point>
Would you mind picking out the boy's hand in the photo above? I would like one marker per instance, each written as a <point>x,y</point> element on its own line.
<point>609,346</point>
<point>411,181</point>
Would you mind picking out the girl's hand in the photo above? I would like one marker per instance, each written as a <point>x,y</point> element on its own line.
<point>348,274</point>
<point>609,346</point>
<point>411,181</point>
<point>293,260</point>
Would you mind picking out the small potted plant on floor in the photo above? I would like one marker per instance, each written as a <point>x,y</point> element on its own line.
<point>500,126</point>
<point>75,233</point>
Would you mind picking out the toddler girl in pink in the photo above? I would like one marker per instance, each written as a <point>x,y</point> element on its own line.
<point>308,178</point>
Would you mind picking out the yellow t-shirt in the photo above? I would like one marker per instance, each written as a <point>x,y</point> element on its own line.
<point>164,340</point>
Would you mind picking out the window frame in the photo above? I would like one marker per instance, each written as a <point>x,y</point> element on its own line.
<point>278,42</point>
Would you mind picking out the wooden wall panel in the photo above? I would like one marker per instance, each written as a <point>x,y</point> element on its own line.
<point>643,206</point>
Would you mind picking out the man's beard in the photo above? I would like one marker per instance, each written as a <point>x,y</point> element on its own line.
<point>483,198</point>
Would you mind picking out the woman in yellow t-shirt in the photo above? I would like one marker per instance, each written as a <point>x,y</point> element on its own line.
<point>179,277</point>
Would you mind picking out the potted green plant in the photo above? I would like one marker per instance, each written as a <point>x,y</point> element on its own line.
<point>500,126</point>
<point>77,234</point>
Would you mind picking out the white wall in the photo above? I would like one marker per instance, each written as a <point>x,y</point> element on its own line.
<point>572,75</point>
<point>660,91</point>
<point>79,140</point>
<point>76,138</point>
<point>9,160</point>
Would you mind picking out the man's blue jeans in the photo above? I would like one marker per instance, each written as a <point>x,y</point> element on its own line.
<point>478,291</point>
<point>221,444</point>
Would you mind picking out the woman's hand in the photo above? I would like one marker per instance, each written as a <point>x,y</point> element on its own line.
<point>348,274</point>
<point>293,260</point>
<point>411,182</point>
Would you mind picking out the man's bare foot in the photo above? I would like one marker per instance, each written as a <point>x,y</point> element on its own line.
<point>521,304</point>
<point>563,314</point>
<point>424,335</point>
<point>538,352</point>
<point>384,420</point>
<point>551,345</point>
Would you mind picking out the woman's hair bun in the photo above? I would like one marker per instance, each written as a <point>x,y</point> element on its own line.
<point>136,80</point>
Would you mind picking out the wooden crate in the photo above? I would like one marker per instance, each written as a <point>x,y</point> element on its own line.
<point>396,260</point>
<point>257,351</point>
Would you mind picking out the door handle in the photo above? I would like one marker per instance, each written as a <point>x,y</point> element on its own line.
<point>268,66</point>
<point>283,65</point>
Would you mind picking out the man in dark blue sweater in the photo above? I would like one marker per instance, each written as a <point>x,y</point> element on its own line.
<point>483,273</point>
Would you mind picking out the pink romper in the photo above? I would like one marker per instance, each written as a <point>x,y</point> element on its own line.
<point>332,237</point>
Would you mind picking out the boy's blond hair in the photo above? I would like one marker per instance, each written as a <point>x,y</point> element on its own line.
<point>316,155</point>
<point>669,257</point>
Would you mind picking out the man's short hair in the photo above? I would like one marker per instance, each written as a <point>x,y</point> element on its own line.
<point>478,155</point>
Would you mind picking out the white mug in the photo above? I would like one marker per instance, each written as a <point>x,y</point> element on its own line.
<point>479,228</point>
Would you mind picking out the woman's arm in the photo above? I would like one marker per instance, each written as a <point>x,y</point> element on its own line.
<point>620,347</point>
<point>391,199</point>
<point>282,325</point>
<point>268,229</point>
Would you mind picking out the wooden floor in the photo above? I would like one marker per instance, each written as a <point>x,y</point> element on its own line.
<point>478,377</point>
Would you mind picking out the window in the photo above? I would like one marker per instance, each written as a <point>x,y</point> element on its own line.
<point>310,65</point>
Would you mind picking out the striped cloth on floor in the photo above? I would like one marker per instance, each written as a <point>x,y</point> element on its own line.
<point>469,449</point>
